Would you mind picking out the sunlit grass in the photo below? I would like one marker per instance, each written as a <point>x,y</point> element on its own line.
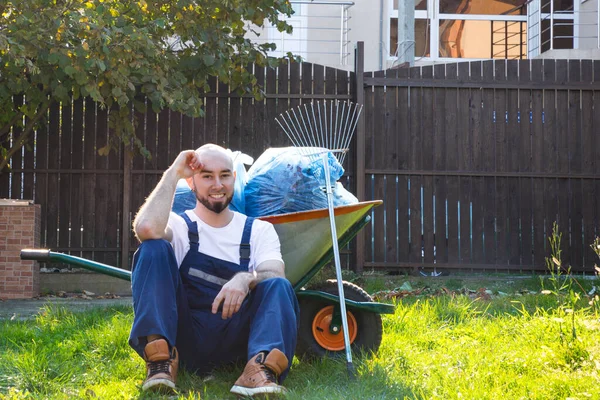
<point>445,347</point>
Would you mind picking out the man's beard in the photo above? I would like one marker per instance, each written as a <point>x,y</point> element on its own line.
<point>218,207</point>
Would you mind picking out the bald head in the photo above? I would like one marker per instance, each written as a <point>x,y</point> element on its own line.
<point>212,151</point>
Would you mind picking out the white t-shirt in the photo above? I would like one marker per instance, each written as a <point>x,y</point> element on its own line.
<point>224,243</point>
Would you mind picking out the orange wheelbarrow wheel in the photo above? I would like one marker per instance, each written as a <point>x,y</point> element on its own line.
<point>316,339</point>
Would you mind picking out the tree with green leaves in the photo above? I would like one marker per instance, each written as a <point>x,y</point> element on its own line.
<point>120,51</point>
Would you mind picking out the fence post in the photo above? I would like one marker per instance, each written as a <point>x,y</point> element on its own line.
<point>126,223</point>
<point>359,69</point>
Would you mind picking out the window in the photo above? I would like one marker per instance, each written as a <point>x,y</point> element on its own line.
<point>475,29</point>
<point>478,7</point>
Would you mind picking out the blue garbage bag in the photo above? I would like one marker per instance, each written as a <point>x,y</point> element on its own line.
<point>284,180</point>
<point>184,199</point>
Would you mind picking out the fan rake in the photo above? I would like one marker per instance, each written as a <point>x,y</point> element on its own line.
<point>318,129</point>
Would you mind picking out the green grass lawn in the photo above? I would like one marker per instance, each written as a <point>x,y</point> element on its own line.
<point>447,340</point>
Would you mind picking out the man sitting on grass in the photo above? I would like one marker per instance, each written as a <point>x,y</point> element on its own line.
<point>208,285</point>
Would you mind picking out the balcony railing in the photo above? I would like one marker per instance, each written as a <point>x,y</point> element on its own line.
<point>320,30</point>
<point>576,27</point>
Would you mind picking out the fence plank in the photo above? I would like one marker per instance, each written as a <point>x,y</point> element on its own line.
<point>525,200</point>
<point>439,164</point>
<point>114,216</point>
<point>427,132</point>
<point>478,191</point>
<point>596,165</point>
<point>187,133</point>
<point>100,216</point>
<point>29,165</point>
<point>537,157</point>
<point>211,134</point>
<point>16,161</point>
<point>488,163</point>
<point>415,163</point>
<point>41,178</point>
<point>235,124</point>
<point>174,135</point>
<point>451,150</point>
<point>272,133</point>
<point>562,159</point>
<point>588,138</point>
<point>575,144</point>
<point>513,141</point>
<point>295,84</point>
<point>199,128</point>
<point>464,164</point>
<point>501,165</point>
<point>403,154</point>
<point>391,160</point>
<point>379,137</point>
<point>76,190</point>
<point>53,164</point>
<point>150,179</point>
<point>223,114</point>
<point>282,105</point>
<point>89,183</point>
<point>549,152</point>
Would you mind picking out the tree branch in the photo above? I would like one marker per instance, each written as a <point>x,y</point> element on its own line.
<point>6,128</point>
<point>22,139</point>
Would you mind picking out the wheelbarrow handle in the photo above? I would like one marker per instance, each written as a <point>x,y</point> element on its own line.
<point>45,255</point>
<point>35,254</point>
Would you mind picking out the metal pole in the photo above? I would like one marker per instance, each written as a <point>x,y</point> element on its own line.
<point>359,87</point>
<point>342,36</point>
<point>521,40</point>
<point>551,24</point>
<point>338,266</point>
<point>406,32</point>
<point>598,21</point>
<point>539,27</point>
<point>506,39</point>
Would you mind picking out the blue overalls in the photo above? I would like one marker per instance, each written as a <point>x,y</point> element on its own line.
<point>176,303</point>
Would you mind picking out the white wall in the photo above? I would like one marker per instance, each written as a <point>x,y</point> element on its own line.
<point>588,28</point>
<point>322,46</point>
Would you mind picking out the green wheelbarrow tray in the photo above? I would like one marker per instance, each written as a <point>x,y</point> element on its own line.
<point>306,247</point>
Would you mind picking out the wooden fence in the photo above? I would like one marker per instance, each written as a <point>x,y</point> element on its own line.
<point>474,162</point>
<point>88,201</point>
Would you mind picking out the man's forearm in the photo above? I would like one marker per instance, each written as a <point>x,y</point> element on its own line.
<point>262,275</point>
<point>152,218</point>
<point>255,277</point>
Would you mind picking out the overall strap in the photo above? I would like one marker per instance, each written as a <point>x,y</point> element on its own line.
<point>245,244</point>
<point>192,229</point>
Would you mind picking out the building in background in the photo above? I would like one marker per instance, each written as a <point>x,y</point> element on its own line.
<point>564,29</point>
<point>326,31</point>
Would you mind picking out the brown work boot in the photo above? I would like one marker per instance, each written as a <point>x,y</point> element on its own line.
<point>161,365</point>
<point>261,373</point>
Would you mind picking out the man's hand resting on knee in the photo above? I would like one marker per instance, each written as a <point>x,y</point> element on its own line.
<point>233,293</point>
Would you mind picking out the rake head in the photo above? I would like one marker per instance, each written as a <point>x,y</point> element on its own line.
<point>327,125</point>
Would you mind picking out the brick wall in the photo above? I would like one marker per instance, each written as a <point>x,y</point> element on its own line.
<point>19,229</point>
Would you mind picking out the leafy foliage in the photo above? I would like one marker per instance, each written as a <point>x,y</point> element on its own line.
<point>120,51</point>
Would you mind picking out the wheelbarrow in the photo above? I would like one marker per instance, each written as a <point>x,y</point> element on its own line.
<point>306,247</point>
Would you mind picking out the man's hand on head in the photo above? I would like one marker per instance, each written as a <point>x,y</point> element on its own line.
<point>232,294</point>
<point>187,164</point>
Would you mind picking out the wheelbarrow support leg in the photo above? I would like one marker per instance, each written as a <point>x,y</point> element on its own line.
<point>338,267</point>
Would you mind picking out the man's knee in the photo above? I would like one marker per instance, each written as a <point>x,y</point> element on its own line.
<point>279,290</point>
<point>277,284</point>
<point>154,247</point>
<point>154,252</point>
